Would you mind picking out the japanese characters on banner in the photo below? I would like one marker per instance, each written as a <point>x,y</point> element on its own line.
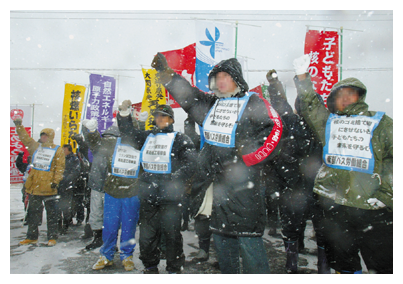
<point>72,110</point>
<point>154,95</point>
<point>100,100</point>
<point>16,146</point>
<point>183,62</point>
<point>323,49</point>
<point>214,42</point>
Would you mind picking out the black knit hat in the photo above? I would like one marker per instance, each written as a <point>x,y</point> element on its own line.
<point>164,110</point>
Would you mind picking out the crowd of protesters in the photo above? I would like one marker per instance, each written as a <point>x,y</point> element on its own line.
<point>253,162</point>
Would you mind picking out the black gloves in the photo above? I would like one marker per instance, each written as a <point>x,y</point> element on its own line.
<point>160,64</point>
<point>271,76</point>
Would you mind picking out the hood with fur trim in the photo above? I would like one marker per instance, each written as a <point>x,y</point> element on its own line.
<point>346,83</point>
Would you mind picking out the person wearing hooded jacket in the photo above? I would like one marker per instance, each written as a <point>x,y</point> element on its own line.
<point>121,204</point>
<point>168,161</point>
<point>296,170</point>
<point>45,175</point>
<point>241,132</point>
<point>65,189</point>
<point>355,182</point>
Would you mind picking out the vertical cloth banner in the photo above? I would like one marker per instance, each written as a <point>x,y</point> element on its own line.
<point>323,49</point>
<point>214,42</point>
<point>100,100</point>
<point>154,95</point>
<point>16,146</point>
<point>71,116</point>
<point>183,62</point>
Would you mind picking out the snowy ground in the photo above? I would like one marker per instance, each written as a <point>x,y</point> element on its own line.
<point>67,256</point>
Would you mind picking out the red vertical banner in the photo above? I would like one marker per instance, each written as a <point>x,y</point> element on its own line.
<point>323,49</point>
<point>183,62</point>
<point>16,146</point>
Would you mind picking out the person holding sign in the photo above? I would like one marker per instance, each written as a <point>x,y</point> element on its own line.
<point>355,182</point>
<point>121,205</point>
<point>48,164</point>
<point>241,132</point>
<point>168,160</point>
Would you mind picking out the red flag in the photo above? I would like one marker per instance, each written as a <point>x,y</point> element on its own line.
<point>183,62</point>
<point>257,90</point>
<point>323,48</point>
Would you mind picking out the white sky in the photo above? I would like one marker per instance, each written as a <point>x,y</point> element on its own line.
<point>51,46</point>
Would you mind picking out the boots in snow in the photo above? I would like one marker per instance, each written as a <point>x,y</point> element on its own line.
<point>323,266</point>
<point>102,263</point>
<point>87,232</point>
<point>128,263</point>
<point>151,270</point>
<point>291,248</point>
<point>97,241</point>
<point>201,256</point>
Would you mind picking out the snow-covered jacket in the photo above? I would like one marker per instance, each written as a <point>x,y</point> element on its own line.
<point>71,173</point>
<point>103,149</point>
<point>350,188</point>
<point>159,188</point>
<point>238,203</point>
<point>39,182</point>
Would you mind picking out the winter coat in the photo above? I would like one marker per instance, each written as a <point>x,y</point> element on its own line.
<point>103,148</point>
<point>71,174</point>
<point>301,157</point>
<point>238,202</point>
<point>158,188</point>
<point>350,188</point>
<point>39,182</point>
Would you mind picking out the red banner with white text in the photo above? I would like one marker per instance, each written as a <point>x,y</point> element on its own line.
<point>16,146</point>
<point>323,49</point>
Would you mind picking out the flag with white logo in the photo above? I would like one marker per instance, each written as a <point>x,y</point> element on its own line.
<point>214,43</point>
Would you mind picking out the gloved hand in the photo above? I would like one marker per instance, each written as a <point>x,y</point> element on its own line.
<point>143,116</point>
<point>91,124</point>
<point>17,122</point>
<point>271,75</point>
<point>376,203</point>
<point>20,154</point>
<point>124,108</point>
<point>301,64</point>
<point>160,64</point>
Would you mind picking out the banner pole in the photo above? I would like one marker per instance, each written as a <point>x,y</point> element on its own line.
<point>236,37</point>
<point>341,52</point>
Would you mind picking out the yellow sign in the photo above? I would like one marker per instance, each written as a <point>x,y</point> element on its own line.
<point>154,95</point>
<point>72,109</point>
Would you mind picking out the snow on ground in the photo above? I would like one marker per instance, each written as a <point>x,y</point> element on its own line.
<point>68,257</point>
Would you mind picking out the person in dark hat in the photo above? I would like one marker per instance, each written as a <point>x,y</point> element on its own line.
<point>168,161</point>
<point>241,132</point>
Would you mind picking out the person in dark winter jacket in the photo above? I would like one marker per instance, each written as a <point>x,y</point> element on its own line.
<point>96,180</point>
<point>121,207</point>
<point>168,161</point>
<point>241,132</point>
<point>355,182</point>
<point>296,168</point>
<point>200,204</point>
<point>79,190</point>
<point>66,186</point>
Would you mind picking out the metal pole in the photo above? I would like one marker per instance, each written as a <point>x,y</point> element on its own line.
<point>341,53</point>
<point>236,37</point>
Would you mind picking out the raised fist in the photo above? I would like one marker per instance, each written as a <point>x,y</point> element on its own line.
<point>301,64</point>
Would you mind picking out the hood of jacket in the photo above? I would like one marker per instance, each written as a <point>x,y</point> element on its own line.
<point>356,108</point>
<point>51,135</point>
<point>233,68</point>
<point>112,131</point>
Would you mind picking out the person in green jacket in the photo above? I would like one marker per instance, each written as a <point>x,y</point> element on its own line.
<point>355,182</point>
